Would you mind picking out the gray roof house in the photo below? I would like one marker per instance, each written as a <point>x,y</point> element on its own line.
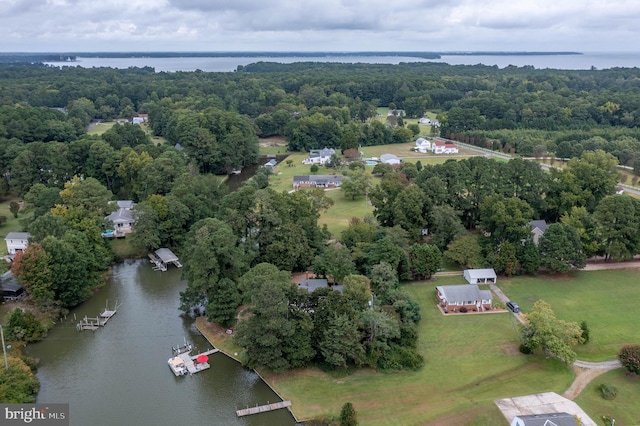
<point>480,276</point>
<point>550,419</point>
<point>454,297</point>
<point>537,229</point>
<point>317,181</point>
<point>123,218</point>
<point>390,159</point>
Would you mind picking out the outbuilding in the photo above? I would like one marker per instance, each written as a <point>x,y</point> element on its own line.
<point>480,276</point>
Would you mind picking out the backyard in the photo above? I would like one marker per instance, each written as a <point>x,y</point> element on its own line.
<point>470,361</point>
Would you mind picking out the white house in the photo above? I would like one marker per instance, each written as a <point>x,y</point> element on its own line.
<point>390,159</point>
<point>17,241</point>
<point>444,148</point>
<point>319,156</point>
<point>424,120</point>
<point>123,218</point>
<point>423,145</point>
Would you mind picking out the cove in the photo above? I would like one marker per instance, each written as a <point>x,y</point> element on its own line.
<point>118,375</point>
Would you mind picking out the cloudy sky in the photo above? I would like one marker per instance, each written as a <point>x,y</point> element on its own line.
<point>318,25</point>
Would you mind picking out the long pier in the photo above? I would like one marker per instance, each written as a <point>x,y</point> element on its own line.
<point>263,408</point>
<point>196,367</point>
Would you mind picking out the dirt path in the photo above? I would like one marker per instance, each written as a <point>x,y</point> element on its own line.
<point>600,266</point>
<point>585,372</point>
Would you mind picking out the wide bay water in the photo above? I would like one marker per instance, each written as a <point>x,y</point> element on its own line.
<point>118,375</point>
<point>598,60</point>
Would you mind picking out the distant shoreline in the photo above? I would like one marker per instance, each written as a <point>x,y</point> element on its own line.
<point>21,57</point>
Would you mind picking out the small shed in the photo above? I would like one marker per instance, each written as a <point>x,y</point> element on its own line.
<point>480,276</point>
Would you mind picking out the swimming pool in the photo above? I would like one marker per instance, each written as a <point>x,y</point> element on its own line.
<point>370,163</point>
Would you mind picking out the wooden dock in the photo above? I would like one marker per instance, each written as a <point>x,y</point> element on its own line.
<point>93,323</point>
<point>193,366</point>
<point>263,408</point>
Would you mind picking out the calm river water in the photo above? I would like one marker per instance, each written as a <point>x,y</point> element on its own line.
<point>118,375</point>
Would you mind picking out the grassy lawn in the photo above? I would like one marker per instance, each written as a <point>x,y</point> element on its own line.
<point>338,216</point>
<point>624,408</point>
<point>470,361</point>
<point>101,127</point>
<point>607,300</point>
<point>123,249</point>
<point>403,150</point>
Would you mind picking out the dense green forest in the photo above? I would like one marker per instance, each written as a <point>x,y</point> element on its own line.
<point>476,210</point>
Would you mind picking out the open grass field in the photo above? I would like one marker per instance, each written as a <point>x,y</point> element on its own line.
<point>101,127</point>
<point>470,361</point>
<point>338,216</point>
<point>624,408</point>
<point>607,300</point>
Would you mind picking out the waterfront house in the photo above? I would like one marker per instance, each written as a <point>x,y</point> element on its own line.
<point>123,218</point>
<point>10,287</point>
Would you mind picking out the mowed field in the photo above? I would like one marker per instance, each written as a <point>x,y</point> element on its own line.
<point>624,408</point>
<point>470,361</point>
<point>606,300</point>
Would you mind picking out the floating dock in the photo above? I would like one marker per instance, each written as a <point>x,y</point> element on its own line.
<point>191,363</point>
<point>93,323</point>
<point>263,408</point>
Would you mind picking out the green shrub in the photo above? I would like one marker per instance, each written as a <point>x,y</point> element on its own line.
<point>585,332</point>
<point>629,357</point>
<point>608,392</point>
<point>23,325</point>
<point>525,349</point>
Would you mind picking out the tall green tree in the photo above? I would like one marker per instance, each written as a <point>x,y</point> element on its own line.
<point>424,260</point>
<point>211,255</point>
<point>561,249</point>
<point>556,338</point>
<point>617,217</point>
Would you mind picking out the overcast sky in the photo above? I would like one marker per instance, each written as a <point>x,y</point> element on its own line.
<point>319,25</point>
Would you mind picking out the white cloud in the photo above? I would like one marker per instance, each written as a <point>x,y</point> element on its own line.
<point>112,25</point>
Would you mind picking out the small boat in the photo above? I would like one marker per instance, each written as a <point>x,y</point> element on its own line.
<point>178,366</point>
<point>180,349</point>
<point>177,362</point>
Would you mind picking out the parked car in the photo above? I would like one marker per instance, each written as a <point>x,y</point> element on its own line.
<point>513,306</point>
